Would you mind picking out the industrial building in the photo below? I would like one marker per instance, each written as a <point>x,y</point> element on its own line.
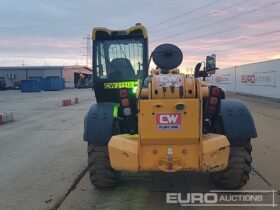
<point>74,76</point>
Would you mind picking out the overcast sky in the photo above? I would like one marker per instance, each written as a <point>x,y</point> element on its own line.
<point>50,32</point>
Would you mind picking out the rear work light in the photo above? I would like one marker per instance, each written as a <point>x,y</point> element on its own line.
<point>215,91</point>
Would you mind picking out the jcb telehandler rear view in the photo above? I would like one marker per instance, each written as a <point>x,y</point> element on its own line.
<point>162,121</point>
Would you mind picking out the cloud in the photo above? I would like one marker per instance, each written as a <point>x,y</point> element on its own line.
<point>275,56</point>
<point>40,43</point>
<point>248,8</point>
<point>218,13</point>
<point>52,31</point>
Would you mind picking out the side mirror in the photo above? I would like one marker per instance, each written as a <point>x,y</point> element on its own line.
<point>196,70</point>
<point>211,64</point>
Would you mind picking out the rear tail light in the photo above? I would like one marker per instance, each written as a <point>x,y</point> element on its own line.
<point>213,101</point>
<point>212,107</point>
<point>123,93</point>
<point>215,91</point>
<point>125,102</point>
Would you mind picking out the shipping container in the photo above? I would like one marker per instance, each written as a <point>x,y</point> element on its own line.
<point>52,83</point>
<point>30,86</point>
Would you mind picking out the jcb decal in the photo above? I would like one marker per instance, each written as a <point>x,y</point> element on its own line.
<point>120,85</point>
<point>168,121</point>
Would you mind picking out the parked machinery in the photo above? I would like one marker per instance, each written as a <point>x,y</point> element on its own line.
<point>161,122</point>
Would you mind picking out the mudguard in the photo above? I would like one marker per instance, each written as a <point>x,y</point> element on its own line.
<point>98,123</point>
<point>237,120</point>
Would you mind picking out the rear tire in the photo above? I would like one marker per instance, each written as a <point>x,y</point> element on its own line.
<point>237,172</point>
<point>102,175</point>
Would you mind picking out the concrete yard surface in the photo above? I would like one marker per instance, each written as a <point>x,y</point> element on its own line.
<point>42,151</point>
<point>43,159</point>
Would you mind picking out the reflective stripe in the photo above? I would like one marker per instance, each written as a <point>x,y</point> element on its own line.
<point>115,112</point>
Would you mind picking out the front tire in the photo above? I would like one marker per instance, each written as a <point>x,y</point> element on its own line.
<point>102,175</point>
<point>239,167</point>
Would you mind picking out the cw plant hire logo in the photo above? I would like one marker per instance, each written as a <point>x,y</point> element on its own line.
<point>168,121</point>
<point>224,198</point>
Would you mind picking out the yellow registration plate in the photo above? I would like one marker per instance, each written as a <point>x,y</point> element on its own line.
<point>119,85</point>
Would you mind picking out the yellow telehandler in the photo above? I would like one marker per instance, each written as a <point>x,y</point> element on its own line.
<point>162,120</point>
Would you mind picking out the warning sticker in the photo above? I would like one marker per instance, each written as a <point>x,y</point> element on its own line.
<point>168,121</point>
<point>169,81</point>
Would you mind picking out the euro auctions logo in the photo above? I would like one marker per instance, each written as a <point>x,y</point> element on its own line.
<point>248,79</point>
<point>168,121</point>
<point>260,79</point>
<point>224,198</point>
<point>223,79</point>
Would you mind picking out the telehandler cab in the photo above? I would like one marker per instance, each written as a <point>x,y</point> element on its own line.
<point>163,121</point>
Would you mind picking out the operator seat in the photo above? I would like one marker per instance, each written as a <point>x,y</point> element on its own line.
<point>121,68</point>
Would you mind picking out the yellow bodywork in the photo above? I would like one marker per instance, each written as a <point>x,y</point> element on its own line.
<point>170,135</point>
<point>126,153</point>
<point>127,31</point>
<point>150,134</point>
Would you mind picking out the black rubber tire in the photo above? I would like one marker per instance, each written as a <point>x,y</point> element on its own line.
<point>237,172</point>
<point>102,175</point>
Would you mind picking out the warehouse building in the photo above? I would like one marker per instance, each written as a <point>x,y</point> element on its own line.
<point>259,79</point>
<point>73,75</point>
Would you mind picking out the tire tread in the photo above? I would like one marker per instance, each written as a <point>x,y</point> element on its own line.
<point>101,173</point>
<point>237,172</point>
